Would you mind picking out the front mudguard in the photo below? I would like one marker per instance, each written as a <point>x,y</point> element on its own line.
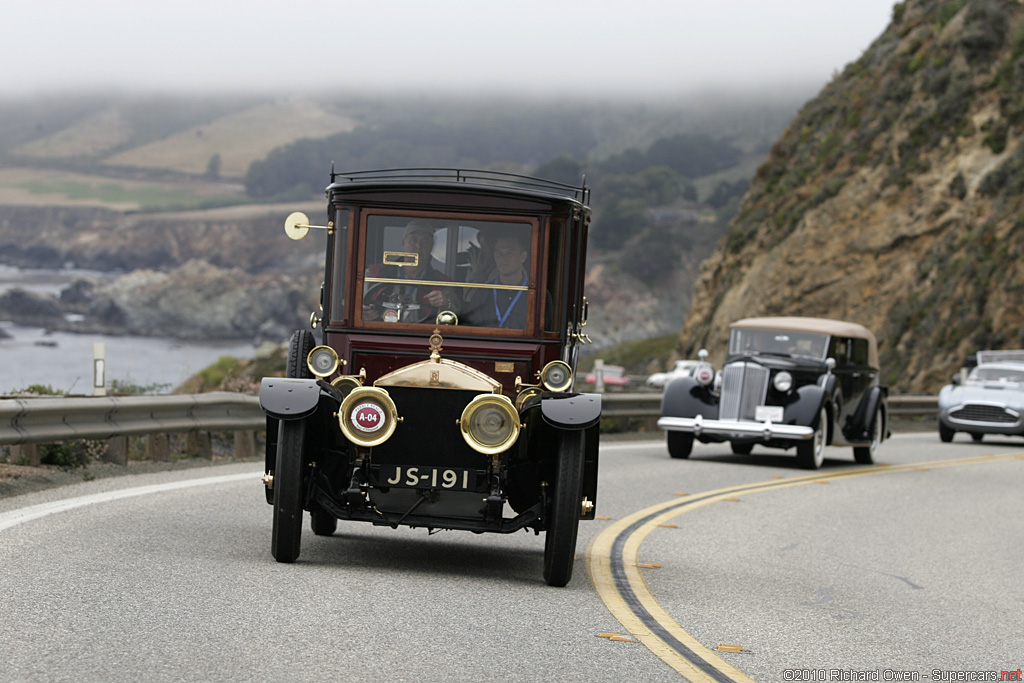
<point>561,412</point>
<point>804,406</point>
<point>286,398</point>
<point>686,397</point>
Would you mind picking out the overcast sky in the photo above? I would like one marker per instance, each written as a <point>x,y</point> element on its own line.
<point>604,47</point>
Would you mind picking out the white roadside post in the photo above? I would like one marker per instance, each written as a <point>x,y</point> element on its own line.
<point>99,369</point>
<point>599,375</point>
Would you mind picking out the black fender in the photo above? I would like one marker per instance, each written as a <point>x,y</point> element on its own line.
<point>571,411</point>
<point>804,405</point>
<point>859,428</point>
<point>686,397</point>
<point>286,398</point>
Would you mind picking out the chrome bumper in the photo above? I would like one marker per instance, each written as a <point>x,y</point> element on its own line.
<point>738,428</point>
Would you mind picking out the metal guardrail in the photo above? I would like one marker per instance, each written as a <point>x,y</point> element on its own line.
<point>47,420</point>
<point>621,404</point>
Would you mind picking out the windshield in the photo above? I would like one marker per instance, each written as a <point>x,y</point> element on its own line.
<point>778,343</point>
<point>990,374</point>
<point>480,271</point>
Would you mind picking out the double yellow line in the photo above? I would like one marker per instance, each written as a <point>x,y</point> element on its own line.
<point>612,562</point>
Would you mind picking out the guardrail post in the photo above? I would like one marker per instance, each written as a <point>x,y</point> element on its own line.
<point>117,450</point>
<point>245,444</point>
<point>197,445</point>
<point>157,447</point>
<point>25,454</point>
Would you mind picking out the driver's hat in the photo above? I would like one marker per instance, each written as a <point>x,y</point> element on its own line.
<point>419,225</point>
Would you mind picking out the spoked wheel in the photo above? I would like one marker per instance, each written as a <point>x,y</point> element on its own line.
<point>810,453</point>
<point>865,455</point>
<point>680,444</point>
<point>323,523</point>
<point>564,512</point>
<point>288,489</point>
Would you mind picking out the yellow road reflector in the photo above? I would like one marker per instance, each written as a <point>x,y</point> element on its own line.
<point>776,476</point>
<point>648,565</point>
<point>732,500</point>
<point>669,526</point>
<point>680,493</point>
<point>883,464</point>
<point>822,481</point>
<point>602,517</point>
<point>729,648</point>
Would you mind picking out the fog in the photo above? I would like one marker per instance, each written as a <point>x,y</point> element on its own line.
<point>600,47</point>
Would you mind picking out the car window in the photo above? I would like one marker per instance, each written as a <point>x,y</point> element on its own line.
<point>778,343</point>
<point>995,374</point>
<point>859,351</point>
<point>416,267</point>
<point>340,261</point>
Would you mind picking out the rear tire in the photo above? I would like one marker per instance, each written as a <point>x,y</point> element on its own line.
<point>323,523</point>
<point>680,444</point>
<point>741,448</point>
<point>811,452</point>
<point>287,533</point>
<point>564,514</point>
<point>865,455</point>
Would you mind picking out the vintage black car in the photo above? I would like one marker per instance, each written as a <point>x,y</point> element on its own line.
<point>803,382</point>
<point>435,388</point>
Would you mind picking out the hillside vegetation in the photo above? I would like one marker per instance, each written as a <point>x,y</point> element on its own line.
<point>895,198</point>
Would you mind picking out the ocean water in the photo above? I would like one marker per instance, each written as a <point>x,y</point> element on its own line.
<point>64,361</point>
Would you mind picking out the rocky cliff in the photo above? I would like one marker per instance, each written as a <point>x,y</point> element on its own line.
<point>218,274</point>
<point>894,199</point>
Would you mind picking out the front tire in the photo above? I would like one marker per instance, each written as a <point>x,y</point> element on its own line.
<point>299,346</point>
<point>976,437</point>
<point>865,455</point>
<point>945,433</point>
<point>680,444</point>
<point>564,516</point>
<point>287,532</point>
<point>811,452</point>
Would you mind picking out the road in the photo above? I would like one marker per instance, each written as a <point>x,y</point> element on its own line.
<point>911,568</point>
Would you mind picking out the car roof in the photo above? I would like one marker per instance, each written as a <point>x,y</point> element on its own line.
<point>835,328</point>
<point>489,182</point>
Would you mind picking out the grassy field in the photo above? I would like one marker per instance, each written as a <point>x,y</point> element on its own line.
<point>36,187</point>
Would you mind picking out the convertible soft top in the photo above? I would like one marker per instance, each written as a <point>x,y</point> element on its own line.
<point>835,328</point>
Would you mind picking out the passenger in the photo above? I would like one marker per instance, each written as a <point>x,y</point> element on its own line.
<point>505,308</point>
<point>418,239</point>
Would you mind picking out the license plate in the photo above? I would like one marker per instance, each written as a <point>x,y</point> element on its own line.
<point>766,413</point>
<point>445,478</point>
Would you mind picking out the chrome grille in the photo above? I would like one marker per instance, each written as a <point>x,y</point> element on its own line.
<point>976,412</point>
<point>744,386</point>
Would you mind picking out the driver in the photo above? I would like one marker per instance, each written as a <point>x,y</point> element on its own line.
<point>418,239</point>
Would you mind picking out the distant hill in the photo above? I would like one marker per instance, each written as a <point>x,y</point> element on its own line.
<point>894,199</point>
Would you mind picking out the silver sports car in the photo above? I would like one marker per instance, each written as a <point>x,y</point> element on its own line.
<point>990,400</point>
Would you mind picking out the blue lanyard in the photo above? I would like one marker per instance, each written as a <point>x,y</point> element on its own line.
<point>508,311</point>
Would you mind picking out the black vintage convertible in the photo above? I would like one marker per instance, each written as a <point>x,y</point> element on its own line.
<point>439,394</point>
<point>786,382</point>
